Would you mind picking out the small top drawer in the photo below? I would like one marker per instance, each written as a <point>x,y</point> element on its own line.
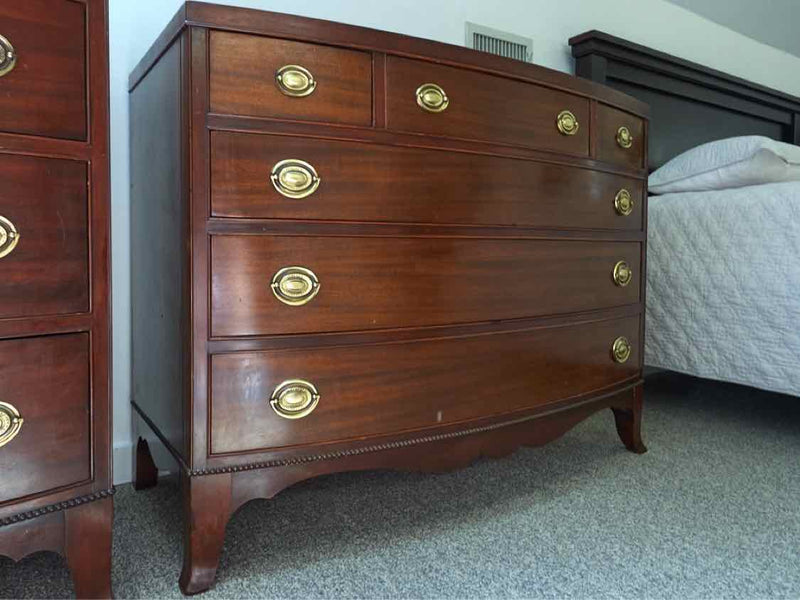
<point>620,137</point>
<point>428,98</point>
<point>43,68</point>
<point>265,77</point>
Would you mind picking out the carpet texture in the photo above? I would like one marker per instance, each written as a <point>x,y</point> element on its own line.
<point>711,511</point>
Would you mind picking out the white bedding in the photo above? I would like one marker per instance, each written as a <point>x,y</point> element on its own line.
<point>723,277</point>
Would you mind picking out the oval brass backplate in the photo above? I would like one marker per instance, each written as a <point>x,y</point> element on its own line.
<point>567,123</point>
<point>621,349</point>
<point>623,274</point>
<point>295,286</point>
<point>295,81</point>
<point>623,202</point>
<point>10,423</point>
<point>294,399</point>
<point>9,237</point>
<point>8,57</point>
<point>294,178</point>
<point>624,137</point>
<point>432,98</point>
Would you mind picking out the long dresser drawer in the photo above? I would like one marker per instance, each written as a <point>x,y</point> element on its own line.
<point>44,263</point>
<point>282,398</point>
<point>44,382</point>
<point>43,68</point>
<point>477,106</point>
<point>352,283</point>
<point>276,177</point>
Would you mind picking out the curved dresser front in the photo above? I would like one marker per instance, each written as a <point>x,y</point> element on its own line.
<point>355,250</point>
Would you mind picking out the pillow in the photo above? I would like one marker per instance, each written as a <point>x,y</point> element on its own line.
<point>730,163</point>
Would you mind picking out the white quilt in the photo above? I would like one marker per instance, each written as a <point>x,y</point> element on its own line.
<point>723,285</point>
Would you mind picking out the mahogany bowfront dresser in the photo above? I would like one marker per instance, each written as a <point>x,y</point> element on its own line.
<point>55,461</point>
<point>359,250</point>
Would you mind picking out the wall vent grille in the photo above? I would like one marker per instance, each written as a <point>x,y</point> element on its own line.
<point>502,43</point>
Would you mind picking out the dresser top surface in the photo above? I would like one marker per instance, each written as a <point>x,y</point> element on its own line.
<point>259,22</point>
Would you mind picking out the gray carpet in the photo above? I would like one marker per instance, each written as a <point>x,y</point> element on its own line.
<point>711,511</point>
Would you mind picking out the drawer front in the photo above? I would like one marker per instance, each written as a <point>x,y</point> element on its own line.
<point>381,389</point>
<point>43,236</point>
<point>43,91</point>
<point>483,107</point>
<point>371,283</point>
<point>620,137</point>
<point>371,182</point>
<point>332,85</point>
<point>45,380</point>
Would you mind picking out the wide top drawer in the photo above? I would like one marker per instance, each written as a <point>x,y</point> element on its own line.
<point>43,68</point>
<point>423,97</point>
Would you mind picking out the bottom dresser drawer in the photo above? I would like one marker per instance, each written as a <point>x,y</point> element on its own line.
<point>44,414</point>
<point>280,398</point>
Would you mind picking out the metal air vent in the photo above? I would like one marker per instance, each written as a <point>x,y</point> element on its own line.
<point>502,43</point>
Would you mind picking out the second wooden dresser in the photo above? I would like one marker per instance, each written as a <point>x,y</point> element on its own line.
<point>355,250</point>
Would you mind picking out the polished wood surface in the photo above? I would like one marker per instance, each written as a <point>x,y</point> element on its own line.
<point>609,120</point>
<point>45,94</point>
<point>48,271</point>
<point>365,390</point>
<point>483,107</point>
<point>376,182</point>
<point>466,305</point>
<point>373,283</point>
<point>47,380</point>
<point>242,79</point>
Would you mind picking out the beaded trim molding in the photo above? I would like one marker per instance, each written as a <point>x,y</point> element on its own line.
<point>58,507</point>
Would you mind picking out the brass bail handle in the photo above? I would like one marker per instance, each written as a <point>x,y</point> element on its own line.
<point>295,286</point>
<point>9,237</point>
<point>294,399</point>
<point>10,423</point>
<point>432,98</point>
<point>295,81</point>
<point>8,56</point>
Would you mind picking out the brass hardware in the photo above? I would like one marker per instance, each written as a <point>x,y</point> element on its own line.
<point>9,237</point>
<point>621,350</point>
<point>10,423</point>
<point>624,137</point>
<point>623,202</point>
<point>294,399</point>
<point>432,98</point>
<point>567,123</point>
<point>295,81</point>
<point>622,274</point>
<point>8,57</point>
<point>294,178</point>
<point>295,286</point>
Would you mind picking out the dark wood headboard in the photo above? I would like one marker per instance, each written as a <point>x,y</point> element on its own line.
<point>689,104</point>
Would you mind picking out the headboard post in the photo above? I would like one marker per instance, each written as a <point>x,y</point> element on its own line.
<point>796,128</point>
<point>592,66</point>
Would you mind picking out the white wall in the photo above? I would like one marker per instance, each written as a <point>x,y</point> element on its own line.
<point>134,24</point>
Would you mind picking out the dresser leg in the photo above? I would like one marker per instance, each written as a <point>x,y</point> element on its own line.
<point>145,473</point>
<point>207,508</point>
<point>629,423</point>
<point>87,547</point>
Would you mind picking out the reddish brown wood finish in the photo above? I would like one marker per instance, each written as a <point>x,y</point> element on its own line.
<point>242,80</point>
<point>453,249</point>
<point>609,120</point>
<point>55,321</point>
<point>373,283</point>
<point>483,107</point>
<point>45,94</point>
<point>371,182</point>
<point>48,271</point>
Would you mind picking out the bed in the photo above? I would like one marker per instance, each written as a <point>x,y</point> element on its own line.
<point>723,281</point>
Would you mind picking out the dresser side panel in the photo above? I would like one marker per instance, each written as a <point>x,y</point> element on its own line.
<point>159,225</point>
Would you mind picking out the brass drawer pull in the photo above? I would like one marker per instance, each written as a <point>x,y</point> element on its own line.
<point>622,274</point>
<point>621,350</point>
<point>567,123</point>
<point>294,399</point>
<point>295,81</point>
<point>294,178</point>
<point>8,57</point>
<point>624,137</point>
<point>623,202</point>
<point>432,98</point>
<point>9,237</point>
<point>10,423</point>
<point>295,286</point>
